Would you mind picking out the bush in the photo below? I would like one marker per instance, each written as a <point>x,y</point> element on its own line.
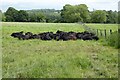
<point>113,39</point>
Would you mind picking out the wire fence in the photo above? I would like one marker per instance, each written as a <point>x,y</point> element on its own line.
<point>99,32</point>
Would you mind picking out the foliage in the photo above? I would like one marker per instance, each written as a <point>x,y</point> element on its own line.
<point>69,14</point>
<point>112,17</point>
<point>2,16</point>
<point>45,15</point>
<point>11,14</point>
<point>98,16</point>
<point>36,17</point>
<point>84,12</point>
<point>75,13</point>
<point>119,18</point>
<point>113,39</point>
<point>22,16</point>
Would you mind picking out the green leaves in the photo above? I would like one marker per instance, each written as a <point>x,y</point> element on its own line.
<point>13,15</point>
<point>113,40</point>
<point>75,13</point>
<point>98,16</point>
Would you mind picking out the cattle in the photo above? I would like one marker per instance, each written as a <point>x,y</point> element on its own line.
<point>87,37</point>
<point>72,35</point>
<point>79,35</point>
<point>47,36</point>
<point>35,36</point>
<point>59,35</point>
<point>17,34</point>
<point>95,37</point>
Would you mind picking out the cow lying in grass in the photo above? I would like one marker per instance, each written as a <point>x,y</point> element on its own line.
<point>59,35</point>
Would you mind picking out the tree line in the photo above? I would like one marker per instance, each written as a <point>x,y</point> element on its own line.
<point>69,14</point>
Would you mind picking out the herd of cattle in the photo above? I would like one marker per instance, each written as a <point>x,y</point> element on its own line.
<point>59,35</point>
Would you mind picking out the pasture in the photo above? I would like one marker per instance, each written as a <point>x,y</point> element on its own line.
<point>114,27</point>
<point>55,59</point>
<point>103,30</point>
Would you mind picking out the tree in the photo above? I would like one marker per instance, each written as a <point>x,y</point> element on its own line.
<point>22,16</point>
<point>44,15</point>
<point>84,12</point>
<point>2,16</point>
<point>75,13</point>
<point>112,17</point>
<point>36,17</point>
<point>40,17</point>
<point>69,14</point>
<point>98,16</point>
<point>11,14</point>
<point>119,18</point>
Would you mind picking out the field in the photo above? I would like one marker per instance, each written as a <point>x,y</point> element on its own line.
<point>55,59</point>
<point>114,27</point>
<point>102,27</point>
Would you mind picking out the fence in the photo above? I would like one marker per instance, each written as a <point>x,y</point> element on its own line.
<point>99,32</point>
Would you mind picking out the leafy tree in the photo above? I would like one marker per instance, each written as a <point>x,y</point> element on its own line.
<point>98,16</point>
<point>75,13</point>
<point>44,15</point>
<point>36,17</point>
<point>119,18</point>
<point>112,17</point>
<point>11,14</point>
<point>84,12</point>
<point>3,17</point>
<point>40,17</point>
<point>69,14</point>
<point>22,16</point>
<point>52,17</point>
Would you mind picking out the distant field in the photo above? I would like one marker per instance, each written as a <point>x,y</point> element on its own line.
<point>42,27</point>
<point>55,59</point>
<point>114,27</point>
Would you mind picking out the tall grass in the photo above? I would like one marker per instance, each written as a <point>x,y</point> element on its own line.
<point>113,39</point>
<point>55,59</point>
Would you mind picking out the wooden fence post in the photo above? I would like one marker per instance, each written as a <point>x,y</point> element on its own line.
<point>110,31</point>
<point>97,32</point>
<point>105,33</point>
<point>100,32</point>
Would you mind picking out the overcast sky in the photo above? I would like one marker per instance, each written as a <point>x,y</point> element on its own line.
<point>58,4</point>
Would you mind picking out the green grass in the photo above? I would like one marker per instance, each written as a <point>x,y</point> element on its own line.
<point>102,27</point>
<point>55,59</point>
<point>114,27</point>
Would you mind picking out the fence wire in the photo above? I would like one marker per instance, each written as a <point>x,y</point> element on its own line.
<point>98,32</point>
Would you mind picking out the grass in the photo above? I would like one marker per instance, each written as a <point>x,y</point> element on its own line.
<point>55,59</point>
<point>114,27</point>
<point>101,29</point>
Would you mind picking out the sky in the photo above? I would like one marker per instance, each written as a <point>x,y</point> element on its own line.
<point>58,4</point>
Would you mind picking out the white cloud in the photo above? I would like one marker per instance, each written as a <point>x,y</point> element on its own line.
<point>58,4</point>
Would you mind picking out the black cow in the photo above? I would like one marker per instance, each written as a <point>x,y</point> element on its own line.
<point>59,35</point>
<point>17,34</point>
<point>79,35</point>
<point>95,37</point>
<point>46,36</point>
<point>35,36</point>
<point>87,37</point>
